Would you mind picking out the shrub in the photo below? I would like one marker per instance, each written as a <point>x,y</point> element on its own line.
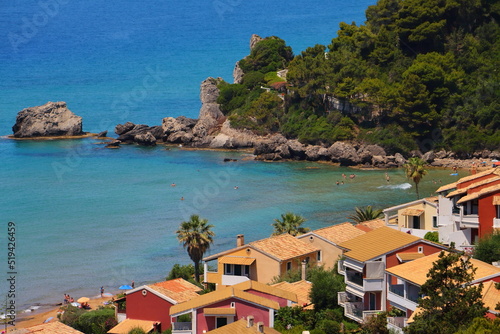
<point>99,321</point>
<point>432,236</point>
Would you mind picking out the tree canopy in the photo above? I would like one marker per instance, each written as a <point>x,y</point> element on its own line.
<point>418,74</point>
<point>196,235</point>
<point>450,301</point>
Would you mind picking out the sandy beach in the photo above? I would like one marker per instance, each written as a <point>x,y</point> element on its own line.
<point>36,318</point>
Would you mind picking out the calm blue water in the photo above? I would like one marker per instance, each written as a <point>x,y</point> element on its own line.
<point>88,216</point>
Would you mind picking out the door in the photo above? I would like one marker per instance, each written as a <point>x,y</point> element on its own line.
<point>416,222</point>
<point>373,301</point>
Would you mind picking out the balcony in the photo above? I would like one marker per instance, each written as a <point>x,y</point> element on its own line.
<point>354,277</point>
<point>470,221</point>
<point>404,296</point>
<point>233,279</point>
<point>398,289</point>
<point>182,328</point>
<point>354,311</point>
<point>342,298</point>
<point>396,324</point>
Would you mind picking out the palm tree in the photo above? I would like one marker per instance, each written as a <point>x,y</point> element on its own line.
<point>289,223</point>
<point>196,235</point>
<point>365,214</point>
<point>415,170</point>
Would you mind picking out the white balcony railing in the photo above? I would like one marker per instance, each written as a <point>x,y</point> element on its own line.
<point>232,280</point>
<point>182,328</point>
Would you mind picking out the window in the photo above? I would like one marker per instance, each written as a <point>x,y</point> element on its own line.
<point>475,207</point>
<point>421,249</point>
<point>288,266</point>
<point>319,256</point>
<point>498,211</point>
<point>307,259</point>
<point>247,271</point>
<point>434,221</point>
<point>237,270</point>
<point>228,269</point>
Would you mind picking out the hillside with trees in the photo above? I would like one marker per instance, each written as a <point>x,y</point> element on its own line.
<point>418,75</point>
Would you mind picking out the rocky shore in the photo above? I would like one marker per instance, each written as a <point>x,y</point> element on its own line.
<point>213,130</point>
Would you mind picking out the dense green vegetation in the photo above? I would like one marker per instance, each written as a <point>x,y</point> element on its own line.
<point>417,75</point>
<point>98,321</point>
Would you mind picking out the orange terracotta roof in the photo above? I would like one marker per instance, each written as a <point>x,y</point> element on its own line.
<point>480,193</point>
<point>301,289</point>
<point>267,289</point>
<point>177,289</point>
<point>416,270</point>
<point>283,247</point>
<point>370,225</point>
<point>376,243</point>
<point>128,324</point>
<point>491,295</point>
<point>336,233</point>
<point>447,187</point>
<point>241,327</point>
<point>472,186</point>
<point>55,327</point>
<point>220,295</point>
<point>478,175</point>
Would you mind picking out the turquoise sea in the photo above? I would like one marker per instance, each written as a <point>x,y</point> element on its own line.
<point>87,216</point>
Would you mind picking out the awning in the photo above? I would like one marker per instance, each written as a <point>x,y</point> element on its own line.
<point>496,200</point>
<point>219,311</point>
<point>246,261</point>
<point>405,257</point>
<point>412,212</point>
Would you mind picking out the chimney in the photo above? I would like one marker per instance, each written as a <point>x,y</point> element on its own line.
<point>249,321</point>
<point>240,240</point>
<point>304,262</point>
<point>260,327</point>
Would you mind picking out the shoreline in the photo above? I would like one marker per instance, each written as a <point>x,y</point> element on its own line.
<point>86,135</point>
<point>43,314</point>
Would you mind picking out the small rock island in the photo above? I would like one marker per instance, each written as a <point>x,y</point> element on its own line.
<point>53,119</point>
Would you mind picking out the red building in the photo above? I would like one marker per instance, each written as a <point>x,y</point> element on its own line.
<point>470,206</point>
<point>229,304</point>
<point>153,302</point>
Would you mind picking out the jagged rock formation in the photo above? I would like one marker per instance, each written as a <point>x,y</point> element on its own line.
<point>51,119</point>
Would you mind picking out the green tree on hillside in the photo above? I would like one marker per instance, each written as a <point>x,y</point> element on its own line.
<point>196,235</point>
<point>451,302</point>
<point>365,214</point>
<point>414,169</point>
<point>290,223</point>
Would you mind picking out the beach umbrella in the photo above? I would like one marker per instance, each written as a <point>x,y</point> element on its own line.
<point>125,287</point>
<point>83,299</point>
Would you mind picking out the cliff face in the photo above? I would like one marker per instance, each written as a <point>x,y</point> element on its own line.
<point>51,119</point>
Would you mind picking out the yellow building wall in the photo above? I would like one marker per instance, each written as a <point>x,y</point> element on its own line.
<point>425,218</point>
<point>329,253</point>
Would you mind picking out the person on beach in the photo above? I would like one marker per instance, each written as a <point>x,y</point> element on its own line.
<point>133,284</point>
<point>102,291</point>
<point>172,185</point>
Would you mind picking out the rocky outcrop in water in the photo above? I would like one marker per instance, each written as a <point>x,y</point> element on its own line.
<point>50,120</point>
<point>138,133</point>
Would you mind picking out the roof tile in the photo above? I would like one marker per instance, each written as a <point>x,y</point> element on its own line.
<point>376,243</point>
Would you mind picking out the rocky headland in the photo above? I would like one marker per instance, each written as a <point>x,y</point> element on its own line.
<point>213,130</point>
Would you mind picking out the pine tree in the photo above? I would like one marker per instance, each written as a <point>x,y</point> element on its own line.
<point>451,302</point>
